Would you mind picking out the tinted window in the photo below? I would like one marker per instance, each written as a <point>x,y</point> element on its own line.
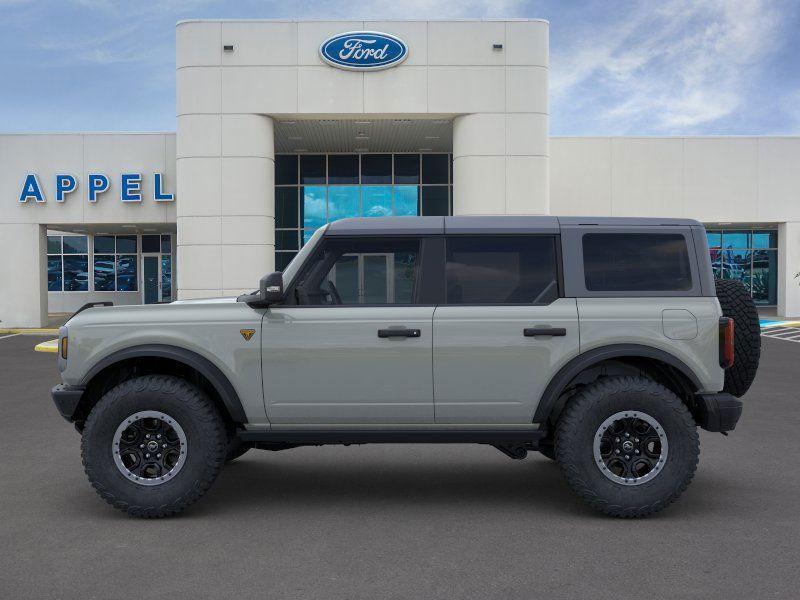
<point>285,169</point>
<point>151,243</point>
<point>376,168</point>
<point>636,262</point>
<point>501,270</point>
<point>434,168</point>
<point>365,271</point>
<point>343,168</point>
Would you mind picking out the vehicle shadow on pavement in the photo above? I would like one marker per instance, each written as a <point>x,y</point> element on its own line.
<point>535,483</point>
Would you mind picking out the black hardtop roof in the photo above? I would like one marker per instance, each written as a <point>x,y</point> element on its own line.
<point>488,224</point>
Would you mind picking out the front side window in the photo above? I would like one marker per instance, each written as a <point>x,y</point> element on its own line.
<point>361,271</point>
<point>636,262</point>
<point>501,270</point>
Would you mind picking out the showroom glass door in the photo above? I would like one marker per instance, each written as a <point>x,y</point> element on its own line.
<point>151,278</point>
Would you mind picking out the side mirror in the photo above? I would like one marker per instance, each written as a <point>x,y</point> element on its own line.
<point>270,289</point>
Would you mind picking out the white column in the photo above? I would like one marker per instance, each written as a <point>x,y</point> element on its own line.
<point>501,164</point>
<point>226,224</point>
<point>23,302</point>
<point>788,265</point>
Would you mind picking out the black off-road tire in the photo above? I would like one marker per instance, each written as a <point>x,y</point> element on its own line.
<point>736,303</point>
<point>579,423</point>
<point>235,449</point>
<point>205,440</point>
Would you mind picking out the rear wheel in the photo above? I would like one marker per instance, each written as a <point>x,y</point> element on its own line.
<point>153,445</point>
<point>736,303</point>
<point>627,445</point>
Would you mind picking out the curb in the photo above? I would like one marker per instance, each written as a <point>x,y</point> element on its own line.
<point>29,331</point>
<point>48,346</point>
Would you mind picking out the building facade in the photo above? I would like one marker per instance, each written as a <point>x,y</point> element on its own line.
<point>284,126</point>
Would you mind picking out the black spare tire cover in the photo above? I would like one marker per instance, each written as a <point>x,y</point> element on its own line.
<point>737,304</point>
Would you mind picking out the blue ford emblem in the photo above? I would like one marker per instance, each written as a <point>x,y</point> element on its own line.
<point>363,50</point>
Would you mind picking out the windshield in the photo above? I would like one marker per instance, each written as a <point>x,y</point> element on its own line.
<point>291,269</point>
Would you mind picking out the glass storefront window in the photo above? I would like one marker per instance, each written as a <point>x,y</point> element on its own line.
<point>343,201</point>
<point>76,273</point>
<point>376,201</point>
<point>342,168</point>
<point>406,203</point>
<point>376,168</point>
<point>166,277</point>
<point>286,210</point>
<point>314,209</point>
<point>103,272</point>
<point>126,244</point>
<point>312,169</point>
<point>54,274</point>
<point>67,263</point>
<point>311,190</point>
<point>286,169</point>
<point>406,168</point>
<point>75,244</point>
<point>749,256</point>
<point>126,273</point>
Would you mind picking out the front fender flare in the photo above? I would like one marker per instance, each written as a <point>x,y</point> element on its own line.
<point>202,365</point>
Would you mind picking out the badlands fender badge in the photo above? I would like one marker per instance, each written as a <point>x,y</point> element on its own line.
<point>247,334</point>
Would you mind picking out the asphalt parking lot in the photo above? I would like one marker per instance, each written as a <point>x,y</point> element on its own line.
<point>399,521</point>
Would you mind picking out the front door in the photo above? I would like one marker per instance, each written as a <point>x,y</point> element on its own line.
<point>503,331</point>
<point>353,345</point>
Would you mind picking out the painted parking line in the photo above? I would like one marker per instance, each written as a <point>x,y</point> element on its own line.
<point>2,337</point>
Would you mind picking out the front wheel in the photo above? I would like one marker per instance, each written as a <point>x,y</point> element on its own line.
<point>627,445</point>
<point>153,445</point>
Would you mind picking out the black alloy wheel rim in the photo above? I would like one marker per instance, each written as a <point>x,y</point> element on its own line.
<point>149,448</point>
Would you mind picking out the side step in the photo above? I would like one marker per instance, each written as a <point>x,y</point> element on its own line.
<point>506,436</point>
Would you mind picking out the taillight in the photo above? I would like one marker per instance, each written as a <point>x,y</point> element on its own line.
<point>725,342</point>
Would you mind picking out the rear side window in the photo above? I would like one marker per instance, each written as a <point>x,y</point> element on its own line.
<point>638,262</point>
<point>501,270</point>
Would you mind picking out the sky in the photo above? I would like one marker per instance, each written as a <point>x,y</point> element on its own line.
<point>617,67</point>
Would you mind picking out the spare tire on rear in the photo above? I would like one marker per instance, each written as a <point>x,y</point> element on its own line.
<point>737,304</point>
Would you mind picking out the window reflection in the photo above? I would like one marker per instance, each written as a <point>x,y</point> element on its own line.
<point>377,201</point>
<point>749,256</point>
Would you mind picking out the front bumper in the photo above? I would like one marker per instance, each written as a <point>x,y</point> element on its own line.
<point>717,412</point>
<point>66,399</point>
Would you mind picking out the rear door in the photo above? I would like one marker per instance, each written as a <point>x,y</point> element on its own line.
<point>357,346</point>
<point>503,331</point>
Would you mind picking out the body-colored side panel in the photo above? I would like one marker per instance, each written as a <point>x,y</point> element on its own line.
<point>210,329</point>
<point>486,370</point>
<point>607,321</point>
<point>328,365</point>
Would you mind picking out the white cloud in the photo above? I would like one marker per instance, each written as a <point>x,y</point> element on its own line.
<point>670,69</point>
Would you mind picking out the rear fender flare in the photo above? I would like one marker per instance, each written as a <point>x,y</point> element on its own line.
<point>574,367</point>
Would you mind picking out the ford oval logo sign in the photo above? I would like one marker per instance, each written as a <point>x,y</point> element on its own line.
<point>363,50</point>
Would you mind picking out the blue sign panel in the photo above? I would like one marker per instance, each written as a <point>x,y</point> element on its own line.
<point>363,51</point>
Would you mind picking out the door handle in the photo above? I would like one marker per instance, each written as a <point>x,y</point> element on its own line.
<point>552,331</point>
<point>404,333</point>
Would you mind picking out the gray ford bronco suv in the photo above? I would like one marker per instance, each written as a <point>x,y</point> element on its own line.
<point>602,343</point>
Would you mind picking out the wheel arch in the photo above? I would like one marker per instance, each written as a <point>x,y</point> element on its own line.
<point>167,360</point>
<point>673,372</point>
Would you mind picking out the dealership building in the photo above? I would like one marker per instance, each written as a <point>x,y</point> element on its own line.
<point>283,126</point>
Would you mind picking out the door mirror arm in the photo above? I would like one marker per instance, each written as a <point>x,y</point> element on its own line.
<point>270,291</point>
